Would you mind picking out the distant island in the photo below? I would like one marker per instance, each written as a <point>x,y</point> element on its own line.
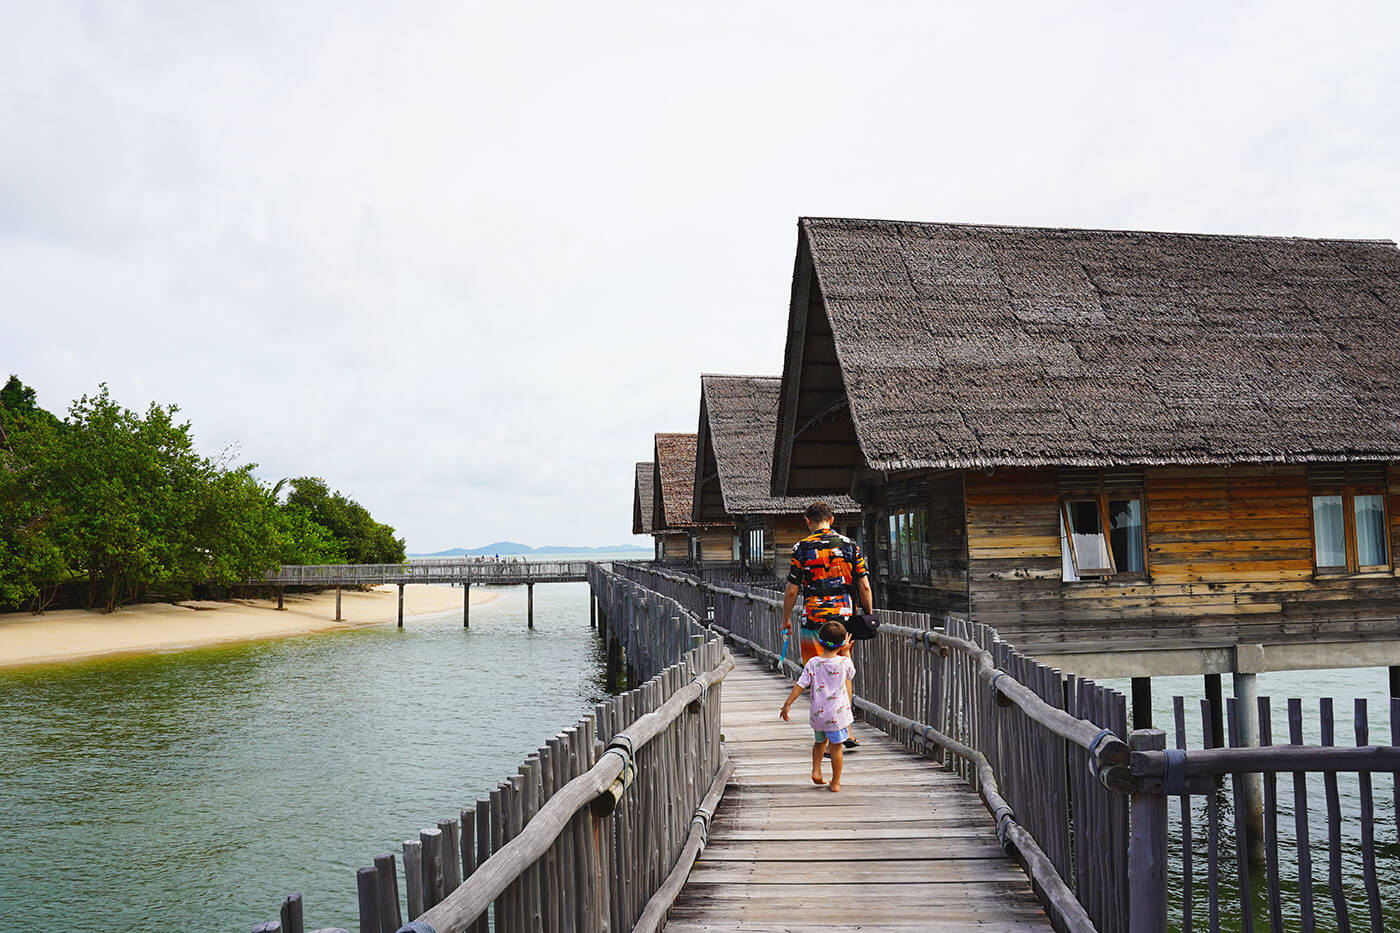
<point>516,549</point>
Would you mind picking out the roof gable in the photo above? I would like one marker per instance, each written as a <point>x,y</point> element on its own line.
<point>978,346</point>
<point>675,480</point>
<point>643,496</point>
<point>738,417</point>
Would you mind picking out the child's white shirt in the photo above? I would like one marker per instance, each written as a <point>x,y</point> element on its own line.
<point>831,706</point>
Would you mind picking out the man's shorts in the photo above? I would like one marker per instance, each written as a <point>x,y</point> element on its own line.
<point>835,737</point>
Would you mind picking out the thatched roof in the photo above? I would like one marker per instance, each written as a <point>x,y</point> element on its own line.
<point>737,418</point>
<point>675,482</point>
<point>642,496</point>
<point>978,346</point>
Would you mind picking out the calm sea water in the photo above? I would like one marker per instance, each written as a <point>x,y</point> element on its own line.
<point>1343,686</point>
<point>194,790</point>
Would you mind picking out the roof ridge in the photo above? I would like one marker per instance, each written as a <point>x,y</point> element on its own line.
<point>1026,228</point>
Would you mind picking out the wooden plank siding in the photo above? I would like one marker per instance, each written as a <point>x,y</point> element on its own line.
<point>675,547</point>
<point>716,544</point>
<point>946,589</point>
<point>1229,559</point>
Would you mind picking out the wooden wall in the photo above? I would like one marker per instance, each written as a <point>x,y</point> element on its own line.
<point>1229,558</point>
<point>675,547</point>
<point>717,543</point>
<point>946,590</point>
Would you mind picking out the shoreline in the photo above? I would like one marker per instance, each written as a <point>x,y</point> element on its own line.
<point>69,635</point>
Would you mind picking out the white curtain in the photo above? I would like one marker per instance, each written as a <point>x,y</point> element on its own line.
<point>1329,531</point>
<point>1126,515</point>
<point>1370,531</point>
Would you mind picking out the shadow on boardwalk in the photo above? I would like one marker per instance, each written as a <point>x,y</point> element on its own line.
<point>905,845</point>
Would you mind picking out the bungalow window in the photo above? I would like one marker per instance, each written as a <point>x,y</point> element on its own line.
<point>1102,535</point>
<point>908,554</point>
<point>756,554</point>
<point>1349,530</point>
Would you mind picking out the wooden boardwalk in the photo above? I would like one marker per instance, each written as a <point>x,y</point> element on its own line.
<point>905,845</point>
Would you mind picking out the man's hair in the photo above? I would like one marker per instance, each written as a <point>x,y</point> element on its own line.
<point>818,512</point>
<point>832,634</point>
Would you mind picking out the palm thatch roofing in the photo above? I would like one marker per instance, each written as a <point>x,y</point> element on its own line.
<point>963,346</point>
<point>643,494</point>
<point>675,483</point>
<point>737,419</point>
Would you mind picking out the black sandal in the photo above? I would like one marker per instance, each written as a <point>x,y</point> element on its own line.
<point>851,743</point>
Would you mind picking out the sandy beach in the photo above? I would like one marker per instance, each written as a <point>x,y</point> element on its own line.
<point>74,634</point>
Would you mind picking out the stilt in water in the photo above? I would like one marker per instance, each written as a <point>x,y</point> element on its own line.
<point>592,611</point>
<point>467,604</point>
<point>530,599</point>
<point>1142,702</point>
<point>400,605</point>
<point>1217,709</point>
<point>1247,711</point>
<point>1395,681</point>
<point>337,604</point>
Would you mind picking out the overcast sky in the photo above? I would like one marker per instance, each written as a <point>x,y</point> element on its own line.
<point>462,260</point>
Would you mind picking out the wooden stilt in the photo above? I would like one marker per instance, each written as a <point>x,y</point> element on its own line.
<point>1142,702</point>
<point>530,599</point>
<point>1247,709</point>
<point>592,611</point>
<point>467,604</point>
<point>1395,681</point>
<point>1216,703</point>
<point>279,599</point>
<point>400,605</point>
<point>337,604</point>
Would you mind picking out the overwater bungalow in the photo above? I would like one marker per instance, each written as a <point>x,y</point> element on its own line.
<point>1132,453</point>
<point>734,454</point>
<point>684,540</point>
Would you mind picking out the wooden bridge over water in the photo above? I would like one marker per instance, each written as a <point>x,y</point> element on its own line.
<point>460,572</point>
<point>991,792</point>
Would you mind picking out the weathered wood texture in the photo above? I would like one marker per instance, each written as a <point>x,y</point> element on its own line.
<point>939,707</point>
<point>446,570</point>
<point>675,547</point>
<point>715,543</point>
<point>905,845</point>
<point>1229,559</point>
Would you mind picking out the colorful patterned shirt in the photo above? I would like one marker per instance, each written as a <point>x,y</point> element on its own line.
<point>825,565</point>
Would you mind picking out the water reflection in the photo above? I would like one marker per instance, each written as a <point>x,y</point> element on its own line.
<point>195,789</point>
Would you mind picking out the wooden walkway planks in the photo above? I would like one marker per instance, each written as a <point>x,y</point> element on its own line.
<point>905,846</point>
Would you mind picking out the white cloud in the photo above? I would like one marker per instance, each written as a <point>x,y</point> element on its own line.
<point>463,260</point>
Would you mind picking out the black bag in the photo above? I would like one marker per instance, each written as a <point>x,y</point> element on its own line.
<point>862,626</point>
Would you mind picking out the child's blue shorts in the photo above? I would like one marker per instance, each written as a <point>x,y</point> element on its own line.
<point>841,736</point>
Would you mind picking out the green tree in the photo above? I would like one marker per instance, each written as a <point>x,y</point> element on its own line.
<point>31,563</point>
<point>364,540</point>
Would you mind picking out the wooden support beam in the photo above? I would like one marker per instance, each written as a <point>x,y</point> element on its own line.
<point>400,605</point>
<point>1395,681</point>
<point>467,604</point>
<point>592,611</point>
<point>1216,702</point>
<point>1142,702</point>
<point>279,599</point>
<point>1247,709</point>
<point>337,604</point>
<point>1147,848</point>
<point>530,603</point>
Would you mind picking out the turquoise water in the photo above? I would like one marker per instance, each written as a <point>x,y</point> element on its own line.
<point>1343,686</point>
<point>194,790</point>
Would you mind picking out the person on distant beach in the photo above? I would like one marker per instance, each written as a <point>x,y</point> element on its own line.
<point>825,568</point>
<point>830,677</point>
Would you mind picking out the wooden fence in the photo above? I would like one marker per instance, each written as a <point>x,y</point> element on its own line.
<point>1041,758</point>
<point>599,828</point>
<point>1088,822</point>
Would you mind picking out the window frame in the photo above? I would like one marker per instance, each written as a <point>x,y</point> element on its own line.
<point>1101,498</point>
<point>906,556</point>
<point>1348,494</point>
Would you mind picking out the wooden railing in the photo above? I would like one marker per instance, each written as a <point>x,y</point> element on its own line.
<point>1037,755</point>
<point>599,828</point>
<point>1087,816</point>
<point>429,571</point>
<point>1258,881</point>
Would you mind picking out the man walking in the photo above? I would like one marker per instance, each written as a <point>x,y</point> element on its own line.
<point>825,568</point>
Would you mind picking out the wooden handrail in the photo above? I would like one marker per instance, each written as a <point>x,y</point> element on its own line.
<point>602,781</point>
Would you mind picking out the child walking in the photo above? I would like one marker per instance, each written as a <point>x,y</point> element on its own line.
<point>829,675</point>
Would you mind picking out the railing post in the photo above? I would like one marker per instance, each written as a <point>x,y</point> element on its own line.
<point>1147,847</point>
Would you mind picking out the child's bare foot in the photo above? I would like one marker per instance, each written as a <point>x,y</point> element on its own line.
<point>817,778</point>
<point>834,787</point>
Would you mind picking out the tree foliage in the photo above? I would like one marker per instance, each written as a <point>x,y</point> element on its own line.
<point>114,503</point>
